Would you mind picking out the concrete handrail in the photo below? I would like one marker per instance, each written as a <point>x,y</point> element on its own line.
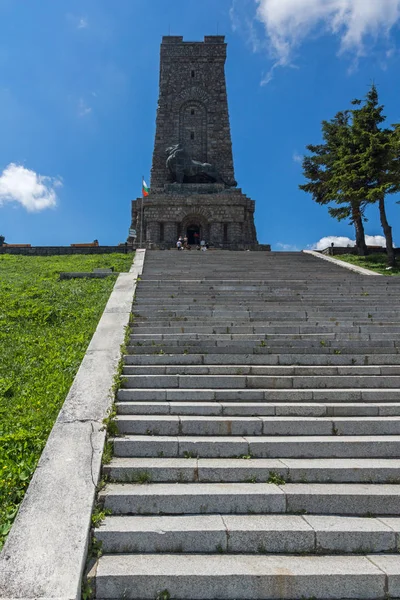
<point>342,263</point>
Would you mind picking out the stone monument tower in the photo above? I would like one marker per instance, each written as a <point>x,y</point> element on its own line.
<point>193,189</point>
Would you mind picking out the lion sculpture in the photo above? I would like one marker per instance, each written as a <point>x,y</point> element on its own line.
<point>185,170</point>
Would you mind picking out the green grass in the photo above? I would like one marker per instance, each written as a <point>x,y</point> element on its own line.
<point>45,328</point>
<point>374,262</point>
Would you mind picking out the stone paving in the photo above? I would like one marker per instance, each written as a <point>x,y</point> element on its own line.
<point>259,422</point>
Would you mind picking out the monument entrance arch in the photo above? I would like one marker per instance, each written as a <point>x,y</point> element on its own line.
<point>193,233</point>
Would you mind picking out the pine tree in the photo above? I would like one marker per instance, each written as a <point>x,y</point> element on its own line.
<point>333,177</point>
<point>358,165</point>
<point>378,157</point>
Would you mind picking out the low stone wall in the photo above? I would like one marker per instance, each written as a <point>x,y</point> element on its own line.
<point>58,250</point>
<point>339,250</point>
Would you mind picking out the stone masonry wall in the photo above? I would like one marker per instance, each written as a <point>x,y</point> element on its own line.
<point>192,106</point>
<point>193,110</point>
<point>172,213</point>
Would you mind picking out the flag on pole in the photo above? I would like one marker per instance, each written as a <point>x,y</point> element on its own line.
<point>145,189</point>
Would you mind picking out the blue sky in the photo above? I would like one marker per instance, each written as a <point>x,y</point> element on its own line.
<point>78,97</point>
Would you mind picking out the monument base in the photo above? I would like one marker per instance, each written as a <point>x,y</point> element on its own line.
<point>222,217</point>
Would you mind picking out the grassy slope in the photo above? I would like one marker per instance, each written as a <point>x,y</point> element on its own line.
<point>374,262</point>
<point>45,328</point>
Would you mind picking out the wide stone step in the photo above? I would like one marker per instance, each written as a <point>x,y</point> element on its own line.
<point>274,283</point>
<point>188,341</point>
<point>248,294</point>
<point>258,315</point>
<point>295,347</point>
<point>293,300</point>
<point>245,498</point>
<point>272,308</point>
<point>193,287</point>
<point>169,425</point>
<point>343,280</point>
<point>276,308</point>
<point>249,409</point>
<point>261,381</point>
<point>386,446</point>
<point>194,328</point>
<point>286,358</point>
<point>321,337</point>
<point>250,534</point>
<point>352,395</point>
<point>254,470</point>
<point>301,319</point>
<point>254,303</point>
<point>285,370</point>
<point>246,577</point>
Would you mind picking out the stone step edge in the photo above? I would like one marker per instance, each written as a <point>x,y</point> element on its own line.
<point>240,470</point>
<point>213,426</point>
<point>256,382</point>
<point>252,534</point>
<point>376,370</point>
<point>274,360</point>
<point>229,409</point>
<point>353,499</point>
<point>247,576</point>
<point>224,395</point>
<point>305,446</point>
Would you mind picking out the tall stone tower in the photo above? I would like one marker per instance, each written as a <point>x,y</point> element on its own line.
<point>193,189</point>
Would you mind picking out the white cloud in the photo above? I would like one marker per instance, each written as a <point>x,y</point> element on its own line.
<point>83,108</point>
<point>297,158</point>
<point>77,22</point>
<point>287,247</point>
<point>34,192</point>
<point>376,240</point>
<point>288,23</point>
<point>244,23</point>
<point>325,242</point>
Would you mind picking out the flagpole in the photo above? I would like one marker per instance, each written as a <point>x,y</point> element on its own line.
<point>141,216</point>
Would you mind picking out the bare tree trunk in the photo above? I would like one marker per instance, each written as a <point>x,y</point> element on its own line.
<point>361,246</point>
<point>387,230</point>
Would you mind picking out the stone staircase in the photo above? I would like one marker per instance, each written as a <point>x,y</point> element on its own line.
<point>259,454</point>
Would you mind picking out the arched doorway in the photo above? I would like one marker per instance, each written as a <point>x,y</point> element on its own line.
<point>194,223</point>
<point>193,233</point>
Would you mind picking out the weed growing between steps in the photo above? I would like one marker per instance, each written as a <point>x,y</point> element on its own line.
<point>164,595</point>
<point>45,328</point>
<point>275,478</point>
<point>373,262</point>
